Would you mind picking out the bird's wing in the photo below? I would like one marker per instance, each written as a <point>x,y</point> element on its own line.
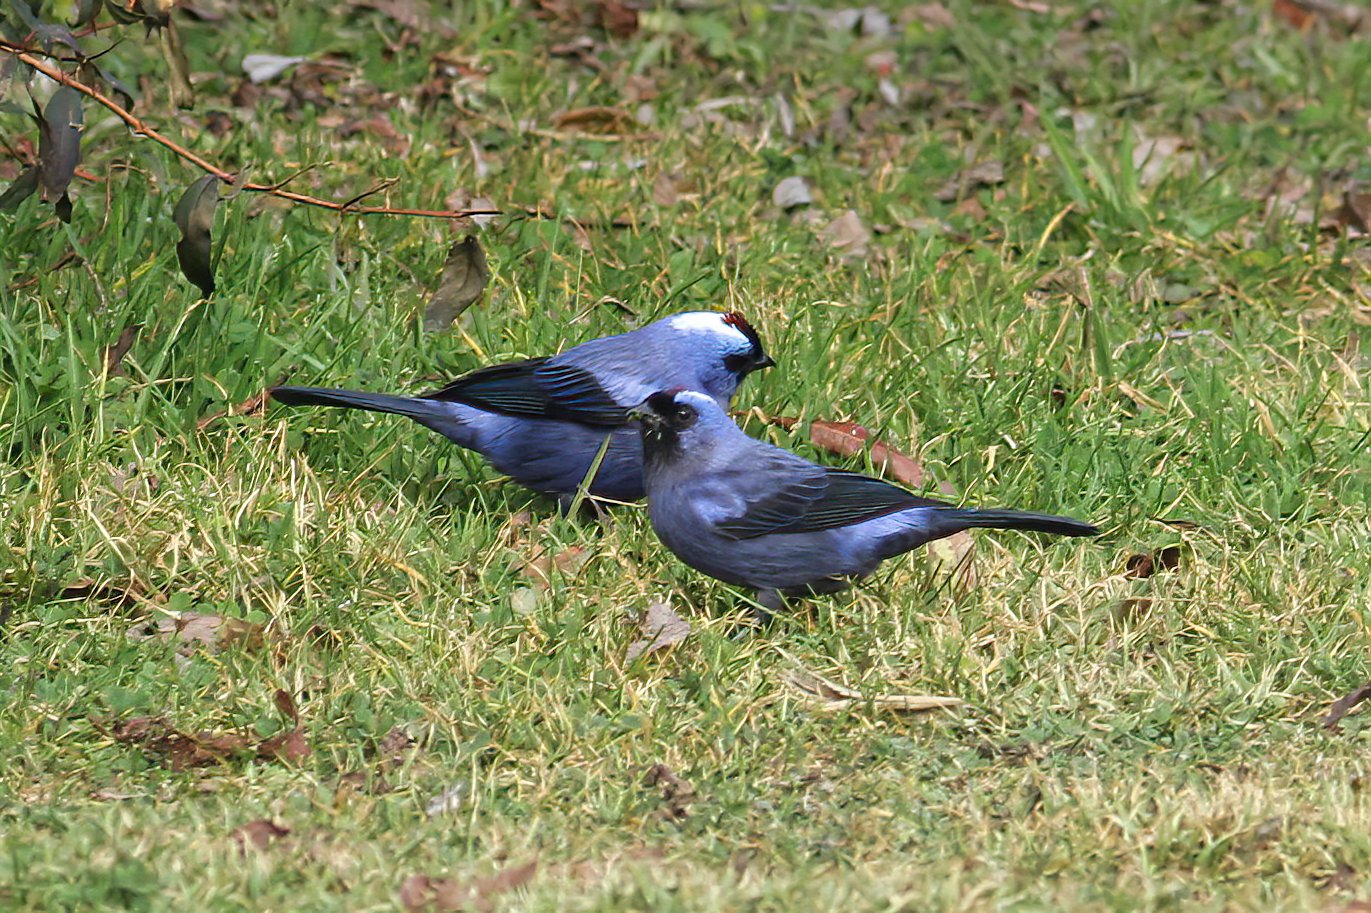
<point>536,388</point>
<point>795,502</point>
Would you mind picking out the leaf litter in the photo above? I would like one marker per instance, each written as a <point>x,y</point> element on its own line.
<point>661,628</point>
<point>424,892</point>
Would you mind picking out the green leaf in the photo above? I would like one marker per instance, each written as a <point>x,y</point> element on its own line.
<point>194,215</point>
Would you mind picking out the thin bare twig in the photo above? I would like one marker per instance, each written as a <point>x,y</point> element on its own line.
<point>28,58</point>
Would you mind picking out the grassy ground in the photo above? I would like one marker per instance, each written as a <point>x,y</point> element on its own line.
<point>1168,343</point>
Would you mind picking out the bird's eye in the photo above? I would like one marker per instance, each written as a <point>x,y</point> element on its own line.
<point>735,363</point>
<point>683,416</point>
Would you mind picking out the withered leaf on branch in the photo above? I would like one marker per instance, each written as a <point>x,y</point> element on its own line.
<point>59,147</point>
<point>194,215</point>
<point>465,274</point>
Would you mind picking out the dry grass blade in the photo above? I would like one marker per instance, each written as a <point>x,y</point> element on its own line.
<point>832,696</point>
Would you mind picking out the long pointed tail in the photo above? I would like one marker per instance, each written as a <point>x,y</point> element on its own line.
<point>966,518</point>
<point>356,399</point>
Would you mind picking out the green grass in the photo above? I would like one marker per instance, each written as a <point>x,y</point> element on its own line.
<point>1126,744</point>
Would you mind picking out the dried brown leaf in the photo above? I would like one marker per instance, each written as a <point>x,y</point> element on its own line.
<point>848,235</point>
<point>423,892</point>
<point>677,793</point>
<point>850,439</point>
<point>954,555</point>
<point>616,18</point>
<point>661,628</point>
<point>595,119</point>
<point>289,746</point>
<point>1355,211</point>
<point>833,696</point>
<point>540,564</point>
<point>258,835</point>
<point>982,174</point>
<point>465,274</point>
<point>114,353</point>
<point>1343,705</point>
<point>792,192</point>
<point>1144,565</point>
<point>196,629</point>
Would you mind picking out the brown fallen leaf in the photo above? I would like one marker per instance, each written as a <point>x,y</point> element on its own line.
<point>114,354</point>
<point>159,738</point>
<point>848,235</point>
<point>595,119</point>
<point>539,565</point>
<point>832,696</point>
<point>1305,14</point>
<point>850,439</point>
<point>193,630</point>
<point>677,793</point>
<point>423,892</point>
<point>661,628</point>
<point>616,18</point>
<point>464,278</point>
<point>1343,705</point>
<point>1355,211</point>
<point>258,835</point>
<point>982,174</point>
<point>953,556</point>
<point>248,407</point>
<point>1143,565</point>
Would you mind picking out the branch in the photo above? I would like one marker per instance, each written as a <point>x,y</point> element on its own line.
<point>27,57</point>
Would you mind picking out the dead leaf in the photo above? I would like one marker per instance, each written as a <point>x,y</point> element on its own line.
<point>465,274</point>
<point>833,696</point>
<point>1305,14</point>
<point>661,628</point>
<point>987,173</point>
<point>289,746</point>
<point>569,561</point>
<point>194,215</point>
<point>193,630</point>
<point>677,793</point>
<point>848,235</point>
<point>250,406</point>
<point>792,193</point>
<point>1343,705</point>
<point>664,190</point>
<point>616,18</point>
<point>850,439</point>
<point>932,15</point>
<point>1144,565</point>
<point>114,354</point>
<point>953,555</point>
<point>183,751</point>
<point>1355,211</point>
<point>422,892</point>
<point>262,68</point>
<point>595,119</point>
<point>59,147</point>
<point>258,835</point>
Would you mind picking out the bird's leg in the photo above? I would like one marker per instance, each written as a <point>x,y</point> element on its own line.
<point>771,602</point>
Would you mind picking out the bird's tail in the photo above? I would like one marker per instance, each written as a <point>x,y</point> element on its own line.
<point>968,518</point>
<point>356,399</point>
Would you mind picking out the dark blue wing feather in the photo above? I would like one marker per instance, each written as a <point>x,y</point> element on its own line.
<point>536,389</point>
<point>825,499</point>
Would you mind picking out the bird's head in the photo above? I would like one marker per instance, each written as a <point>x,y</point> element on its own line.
<point>729,345</point>
<point>677,419</point>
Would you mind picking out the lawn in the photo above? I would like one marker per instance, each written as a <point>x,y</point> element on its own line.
<point>1108,261</point>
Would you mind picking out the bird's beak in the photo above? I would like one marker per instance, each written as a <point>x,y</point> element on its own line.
<point>765,361</point>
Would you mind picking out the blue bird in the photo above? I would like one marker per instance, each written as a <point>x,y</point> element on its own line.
<point>754,515</point>
<point>542,421</point>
